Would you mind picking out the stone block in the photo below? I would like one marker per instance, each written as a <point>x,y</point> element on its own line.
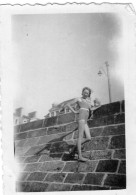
<point>55,177</point>
<point>31,167</point>
<point>114,130</point>
<point>59,187</point>
<point>71,127</point>
<point>110,119</point>
<point>93,178</point>
<point>66,118</point>
<point>56,130</point>
<point>119,154</point>
<point>20,151</point>
<point>117,142</point>
<point>23,186</point>
<point>52,166</point>
<point>51,138</point>
<point>122,167</point>
<point>88,187</point>
<point>37,133</point>
<point>22,176</point>
<point>70,166</point>
<point>32,159</point>
<point>59,147</point>
<point>32,142</point>
<point>20,159</point>
<point>107,109</point>
<point>100,154</point>
<point>107,166</point>
<point>39,187</point>
<point>96,131</point>
<point>81,166</point>
<point>37,150</point>
<point>31,125</point>
<point>117,188</point>
<point>115,180</point>
<point>36,176</point>
<point>97,122</point>
<point>88,166</point>
<point>50,157</point>
<point>120,118</point>
<point>20,143</point>
<point>97,143</point>
<point>123,106</point>
<point>68,136</point>
<point>74,178</point>
<point>20,136</point>
<point>50,121</point>
<point>17,129</point>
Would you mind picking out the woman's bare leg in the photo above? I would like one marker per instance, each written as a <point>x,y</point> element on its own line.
<point>87,134</point>
<point>81,129</point>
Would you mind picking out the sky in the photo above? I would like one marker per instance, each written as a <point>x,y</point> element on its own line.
<point>56,55</point>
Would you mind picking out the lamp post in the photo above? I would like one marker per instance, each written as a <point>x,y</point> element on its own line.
<point>108,78</point>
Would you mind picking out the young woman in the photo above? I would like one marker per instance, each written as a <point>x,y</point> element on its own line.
<point>84,104</point>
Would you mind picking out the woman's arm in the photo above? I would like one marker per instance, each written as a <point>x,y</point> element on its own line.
<point>70,107</point>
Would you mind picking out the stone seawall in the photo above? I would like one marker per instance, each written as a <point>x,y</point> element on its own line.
<point>42,150</point>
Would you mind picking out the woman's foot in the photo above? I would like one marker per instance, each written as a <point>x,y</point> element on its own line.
<point>82,159</point>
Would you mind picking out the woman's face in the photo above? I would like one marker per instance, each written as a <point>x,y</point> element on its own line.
<point>85,93</point>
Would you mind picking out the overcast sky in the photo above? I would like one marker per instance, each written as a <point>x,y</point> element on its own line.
<point>56,55</point>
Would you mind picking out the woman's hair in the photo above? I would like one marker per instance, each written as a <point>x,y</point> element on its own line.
<point>90,91</point>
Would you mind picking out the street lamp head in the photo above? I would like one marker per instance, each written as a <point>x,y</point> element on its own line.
<point>106,63</point>
<point>100,73</point>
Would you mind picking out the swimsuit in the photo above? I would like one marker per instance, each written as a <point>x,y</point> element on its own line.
<point>84,109</point>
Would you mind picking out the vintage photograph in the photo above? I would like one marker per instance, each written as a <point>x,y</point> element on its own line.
<point>69,124</point>
<point>69,107</point>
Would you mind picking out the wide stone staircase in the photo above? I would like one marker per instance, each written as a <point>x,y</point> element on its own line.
<point>42,153</point>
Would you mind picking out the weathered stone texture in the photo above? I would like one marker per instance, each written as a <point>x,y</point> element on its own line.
<point>38,187</point>
<point>97,143</point>
<point>52,166</point>
<point>88,187</point>
<point>115,180</point>
<point>36,176</point>
<point>58,147</point>
<point>31,167</point>
<point>20,136</point>
<point>23,176</point>
<point>32,125</point>
<point>37,133</point>
<point>23,186</point>
<point>122,167</point>
<point>107,109</point>
<point>113,130</point>
<point>50,121</point>
<point>50,157</point>
<point>107,166</point>
<point>55,177</point>
<point>117,142</point>
<point>119,154</point>
<point>59,187</point>
<point>66,118</point>
<point>46,164</point>
<point>32,159</point>
<point>100,154</point>
<point>120,118</point>
<point>74,178</point>
<point>93,178</point>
